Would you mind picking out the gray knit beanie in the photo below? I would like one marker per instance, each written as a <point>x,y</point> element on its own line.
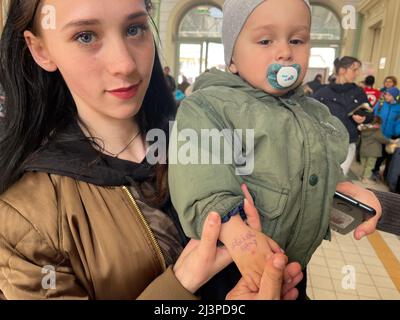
<point>236,13</point>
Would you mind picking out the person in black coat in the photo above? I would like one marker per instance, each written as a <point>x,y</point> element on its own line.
<point>344,99</point>
<point>170,79</point>
<point>315,85</point>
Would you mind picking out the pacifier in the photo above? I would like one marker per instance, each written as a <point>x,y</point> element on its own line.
<point>283,77</point>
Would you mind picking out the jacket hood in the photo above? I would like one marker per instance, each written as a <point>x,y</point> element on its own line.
<point>76,158</point>
<point>218,78</point>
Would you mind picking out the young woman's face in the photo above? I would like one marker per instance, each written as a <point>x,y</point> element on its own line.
<point>389,83</point>
<point>350,74</point>
<point>277,32</point>
<point>104,51</point>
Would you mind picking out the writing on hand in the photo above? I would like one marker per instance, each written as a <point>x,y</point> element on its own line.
<point>246,242</point>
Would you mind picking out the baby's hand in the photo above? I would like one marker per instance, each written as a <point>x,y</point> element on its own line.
<point>249,250</point>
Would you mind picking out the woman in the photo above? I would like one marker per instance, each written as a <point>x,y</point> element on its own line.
<point>389,82</point>
<point>342,98</point>
<point>82,213</point>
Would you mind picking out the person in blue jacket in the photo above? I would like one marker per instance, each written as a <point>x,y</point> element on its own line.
<point>389,111</point>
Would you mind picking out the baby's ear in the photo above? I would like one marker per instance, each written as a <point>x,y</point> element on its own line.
<point>232,68</point>
<point>39,52</point>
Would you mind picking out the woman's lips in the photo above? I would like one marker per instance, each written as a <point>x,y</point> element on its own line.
<point>125,93</point>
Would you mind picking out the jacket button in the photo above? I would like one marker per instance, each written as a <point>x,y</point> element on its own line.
<point>313,180</point>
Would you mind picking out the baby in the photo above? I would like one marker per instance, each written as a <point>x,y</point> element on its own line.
<point>298,145</point>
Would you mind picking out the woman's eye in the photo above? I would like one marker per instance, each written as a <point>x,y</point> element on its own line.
<point>85,37</point>
<point>265,42</point>
<point>136,30</point>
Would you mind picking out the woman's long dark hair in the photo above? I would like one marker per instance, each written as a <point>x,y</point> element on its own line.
<point>39,104</point>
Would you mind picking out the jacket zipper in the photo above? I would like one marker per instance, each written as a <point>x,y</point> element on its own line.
<point>387,118</point>
<point>160,255</point>
<point>306,175</point>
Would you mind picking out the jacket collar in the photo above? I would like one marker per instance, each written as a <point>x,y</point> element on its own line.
<point>217,78</point>
<point>76,158</point>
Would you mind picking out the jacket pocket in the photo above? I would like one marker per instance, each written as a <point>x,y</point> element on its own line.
<point>270,201</point>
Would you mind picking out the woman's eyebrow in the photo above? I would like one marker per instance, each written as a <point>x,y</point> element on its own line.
<point>92,22</point>
<point>137,15</point>
<point>81,23</point>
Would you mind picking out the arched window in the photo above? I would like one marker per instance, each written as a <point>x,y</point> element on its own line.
<point>199,41</point>
<point>201,22</point>
<point>325,25</point>
<point>326,37</point>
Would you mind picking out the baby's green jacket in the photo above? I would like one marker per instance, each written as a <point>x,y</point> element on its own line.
<point>298,149</point>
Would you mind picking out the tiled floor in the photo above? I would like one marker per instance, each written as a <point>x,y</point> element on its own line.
<point>329,267</point>
<point>346,269</point>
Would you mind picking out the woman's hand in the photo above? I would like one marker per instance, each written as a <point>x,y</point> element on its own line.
<point>201,259</point>
<point>367,197</point>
